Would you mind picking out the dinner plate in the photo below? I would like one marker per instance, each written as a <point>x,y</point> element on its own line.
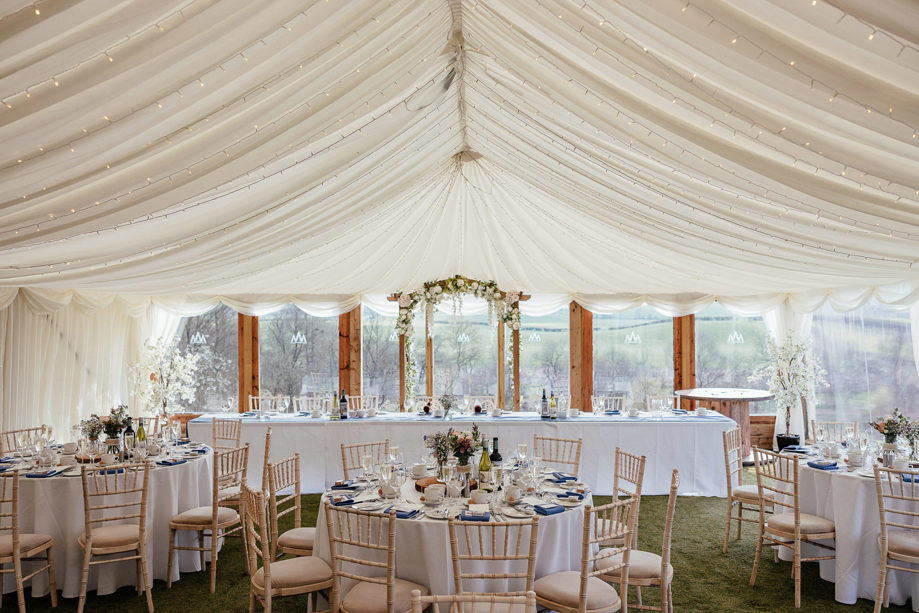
<point>374,505</point>
<point>437,513</point>
<point>569,502</point>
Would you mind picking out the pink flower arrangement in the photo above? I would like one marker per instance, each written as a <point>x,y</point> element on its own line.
<point>891,426</point>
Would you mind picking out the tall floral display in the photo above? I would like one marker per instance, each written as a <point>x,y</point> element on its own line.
<point>792,375</point>
<point>165,377</point>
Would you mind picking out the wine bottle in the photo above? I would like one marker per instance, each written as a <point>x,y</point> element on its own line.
<point>495,456</point>
<point>343,406</point>
<point>484,461</point>
<point>544,406</point>
<point>129,439</point>
<point>141,438</point>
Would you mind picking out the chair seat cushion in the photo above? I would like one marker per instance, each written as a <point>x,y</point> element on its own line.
<point>642,565</point>
<point>297,538</point>
<point>810,524</point>
<point>27,542</point>
<point>564,588</point>
<point>747,492</point>
<point>107,537</point>
<point>368,597</point>
<point>294,572</point>
<point>229,494</point>
<point>200,516</point>
<point>903,542</point>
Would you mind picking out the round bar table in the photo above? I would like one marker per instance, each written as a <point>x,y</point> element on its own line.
<point>733,402</point>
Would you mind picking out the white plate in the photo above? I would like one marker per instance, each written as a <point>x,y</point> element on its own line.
<point>570,502</point>
<point>437,513</point>
<point>375,505</point>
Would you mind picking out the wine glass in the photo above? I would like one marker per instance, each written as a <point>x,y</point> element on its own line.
<point>367,465</point>
<point>862,441</point>
<point>850,431</point>
<point>522,452</point>
<point>394,455</point>
<point>820,433</point>
<point>400,478</point>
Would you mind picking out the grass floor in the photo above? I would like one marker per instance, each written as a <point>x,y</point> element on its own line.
<point>704,580</point>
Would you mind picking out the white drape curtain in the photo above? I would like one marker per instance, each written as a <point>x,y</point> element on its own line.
<point>914,328</point>
<point>60,365</point>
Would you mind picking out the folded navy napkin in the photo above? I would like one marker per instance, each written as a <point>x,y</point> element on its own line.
<point>680,411</point>
<point>611,412</point>
<point>404,513</point>
<point>183,441</point>
<point>344,485</point>
<point>796,449</point>
<point>467,516</point>
<point>345,501</point>
<point>250,413</point>
<point>822,464</point>
<point>171,462</point>
<point>560,477</point>
<point>44,475</point>
<point>8,458</point>
<point>199,450</point>
<point>113,471</point>
<point>548,508</point>
<point>3,469</point>
<point>571,494</point>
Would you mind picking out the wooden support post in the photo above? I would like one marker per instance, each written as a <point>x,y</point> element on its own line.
<point>428,357</point>
<point>401,372</point>
<point>684,356</point>
<point>248,359</point>
<point>349,352</point>
<point>515,339</point>
<point>582,356</point>
<point>502,377</point>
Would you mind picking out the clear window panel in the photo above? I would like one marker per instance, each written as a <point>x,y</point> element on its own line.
<point>633,355</point>
<point>729,348</point>
<point>544,358</point>
<point>868,357</point>
<point>298,353</point>
<point>380,358</point>
<point>465,353</point>
<point>214,337</point>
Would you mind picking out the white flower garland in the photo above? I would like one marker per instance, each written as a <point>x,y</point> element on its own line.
<point>505,304</point>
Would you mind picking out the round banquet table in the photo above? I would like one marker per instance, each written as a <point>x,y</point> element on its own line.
<point>733,402</point>
<point>423,545</point>
<point>850,500</point>
<point>54,506</point>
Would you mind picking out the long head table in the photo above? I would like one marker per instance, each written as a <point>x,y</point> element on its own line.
<point>691,444</point>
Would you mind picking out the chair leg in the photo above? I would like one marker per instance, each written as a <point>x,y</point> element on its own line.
<point>51,580</point>
<point>20,592</point>
<point>172,552</point>
<point>201,550</point>
<point>739,518</point>
<point>84,578</point>
<point>882,581</point>
<point>797,574</point>
<point>727,526</point>
<point>759,551</point>
<point>638,594</point>
<point>138,581</point>
<point>251,601</point>
<point>214,540</point>
<point>145,582</point>
<point>670,597</point>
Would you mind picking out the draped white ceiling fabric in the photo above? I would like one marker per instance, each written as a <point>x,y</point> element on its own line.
<point>668,152</point>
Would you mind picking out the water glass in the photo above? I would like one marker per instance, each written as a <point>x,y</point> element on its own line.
<point>522,452</point>
<point>367,465</point>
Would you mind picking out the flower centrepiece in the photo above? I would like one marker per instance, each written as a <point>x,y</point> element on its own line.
<point>460,444</point>
<point>892,426</point>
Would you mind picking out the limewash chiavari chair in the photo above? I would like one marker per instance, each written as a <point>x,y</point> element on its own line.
<point>491,550</point>
<point>275,579</point>
<point>777,479</point>
<point>351,455</point>
<point>218,520</point>
<point>898,511</point>
<point>358,539</point>
<point>581,591</point>
<point>225,433</point>
<point>308,404</point>
<point>299,540</point>
<point>559,451</point>
<point>738,494</point>
<point>16,547</point>
<point>835,430</point>
<point>607,403</point>
<point>266,404</point>
<point>648,569</point>
<point>628,476</point>
<point>476,603</point>
<point>112,496</point>
<point>486,402</point>
<point>8,437</point>
<point>363,403</point>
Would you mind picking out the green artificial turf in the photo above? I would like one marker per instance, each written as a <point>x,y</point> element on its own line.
<point>705,579</point>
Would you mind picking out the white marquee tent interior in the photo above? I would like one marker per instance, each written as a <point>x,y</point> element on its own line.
<point>161,157</point>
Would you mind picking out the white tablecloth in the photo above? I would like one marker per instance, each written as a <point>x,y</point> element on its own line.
<point>691,444</point>
<point>850,500</point>
<point>423,546</point>
<point>55,507</point>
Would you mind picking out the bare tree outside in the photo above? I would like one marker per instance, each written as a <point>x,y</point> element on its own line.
<point>380,358</point>
<point>215,338</point>
<point>544,357</point>
<point>298,353</point>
